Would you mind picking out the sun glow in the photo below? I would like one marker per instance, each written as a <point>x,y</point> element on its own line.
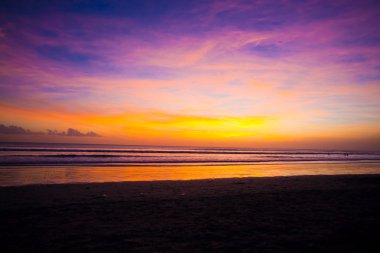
<point>193,127</point>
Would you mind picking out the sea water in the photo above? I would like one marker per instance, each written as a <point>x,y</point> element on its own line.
<point>30,163</point>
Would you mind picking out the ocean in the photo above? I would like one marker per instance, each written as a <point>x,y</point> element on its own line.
<point>32,163</point>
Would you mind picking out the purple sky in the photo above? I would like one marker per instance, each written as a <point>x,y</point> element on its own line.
<point>230,73</point>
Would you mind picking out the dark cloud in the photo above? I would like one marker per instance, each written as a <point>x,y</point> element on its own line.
<point>21,131</point>
<point>74,132</point>
<point>14,130</point>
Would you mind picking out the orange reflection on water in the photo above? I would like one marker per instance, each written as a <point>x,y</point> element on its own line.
<point>13,175</point>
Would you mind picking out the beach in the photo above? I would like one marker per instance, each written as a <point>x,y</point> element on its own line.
<point>245,126</point>
<point>339,213</point>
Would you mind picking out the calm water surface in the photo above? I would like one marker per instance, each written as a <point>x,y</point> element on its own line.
<point>26,163</point>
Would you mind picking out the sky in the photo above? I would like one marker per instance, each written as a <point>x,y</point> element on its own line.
<point>270,74</point>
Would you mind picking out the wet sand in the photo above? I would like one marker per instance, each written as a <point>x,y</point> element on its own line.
<point>277,214</point>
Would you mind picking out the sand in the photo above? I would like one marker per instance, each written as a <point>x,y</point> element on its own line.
<point>278,214</point>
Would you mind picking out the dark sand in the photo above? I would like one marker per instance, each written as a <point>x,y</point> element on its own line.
<point>282,214</point>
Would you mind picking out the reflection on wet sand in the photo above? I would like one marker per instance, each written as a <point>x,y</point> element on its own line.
<point>22,175</point>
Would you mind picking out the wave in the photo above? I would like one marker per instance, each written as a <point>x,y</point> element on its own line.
<point>77,156</point>
<point>112,160</point>
<point>68,154</point>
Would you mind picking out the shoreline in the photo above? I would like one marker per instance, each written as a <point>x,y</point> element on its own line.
<point>203,180</point>
<point>329,213</point>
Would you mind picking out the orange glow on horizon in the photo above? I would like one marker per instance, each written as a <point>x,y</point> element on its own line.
<point>152,127</point>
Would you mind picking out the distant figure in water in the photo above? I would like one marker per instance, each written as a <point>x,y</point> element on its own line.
<point>345,154</point>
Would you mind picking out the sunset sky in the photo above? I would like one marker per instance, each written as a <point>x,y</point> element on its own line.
<point>272,74</point>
